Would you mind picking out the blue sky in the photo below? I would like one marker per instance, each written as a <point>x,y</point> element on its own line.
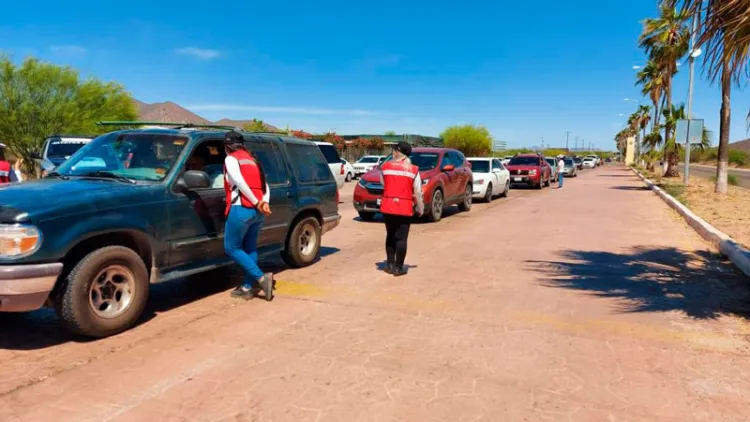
<point>526,70</point>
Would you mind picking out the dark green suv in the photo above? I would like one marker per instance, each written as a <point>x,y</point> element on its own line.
<point>143,206</point>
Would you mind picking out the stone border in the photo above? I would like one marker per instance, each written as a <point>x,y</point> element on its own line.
<point>726,245</point>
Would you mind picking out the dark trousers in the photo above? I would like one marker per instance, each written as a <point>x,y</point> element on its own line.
<point>397,229</point>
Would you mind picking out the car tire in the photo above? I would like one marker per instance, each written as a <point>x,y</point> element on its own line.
<point>488,193</point>
<point>114,278</point>
<point>349,177</point>
<point>299,251</point>
<point>465,204</point>
<point>507,189</point>
<point>436,206</point>
<point>366,216</point>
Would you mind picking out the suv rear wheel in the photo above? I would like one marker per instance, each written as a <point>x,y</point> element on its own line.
<point>105,293</point>
<point>436,206</point>
<point>303,243</point>
<point>465,205</point>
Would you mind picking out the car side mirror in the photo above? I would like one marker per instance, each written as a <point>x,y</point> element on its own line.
<point>449,167</point>
<point>191,180</point>
<point>36,155</point>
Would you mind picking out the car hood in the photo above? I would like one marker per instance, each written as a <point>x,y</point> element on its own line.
<point>520,167</point>
<point>46,198</point>
<point>374,174</point>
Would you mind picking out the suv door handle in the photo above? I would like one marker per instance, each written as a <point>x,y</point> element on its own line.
<point>289,194</point>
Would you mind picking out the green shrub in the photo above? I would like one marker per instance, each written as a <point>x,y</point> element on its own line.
<point>731,179</point>
<point>739,158</point>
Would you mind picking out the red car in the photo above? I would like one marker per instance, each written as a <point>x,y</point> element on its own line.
<point>530,170</point>
<point>446,180</point>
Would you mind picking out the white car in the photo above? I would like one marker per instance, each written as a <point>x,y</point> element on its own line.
<point>348,170</point>
<point>589,162</point>
<point>334,162</point>
<point>367,163</point>
<point>491,178</point>
<point>597,160</point>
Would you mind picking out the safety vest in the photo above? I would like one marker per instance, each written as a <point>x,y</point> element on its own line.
<point>251,173</point>
<point>398,192</point>
<point>5,169</point>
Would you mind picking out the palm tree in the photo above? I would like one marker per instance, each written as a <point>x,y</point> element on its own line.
<point>725,32</point>
<point>652,79</point>
<point>666,40</point>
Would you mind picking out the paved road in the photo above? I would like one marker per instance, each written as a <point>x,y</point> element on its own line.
<point>592,303</point>
<point>707,172</point>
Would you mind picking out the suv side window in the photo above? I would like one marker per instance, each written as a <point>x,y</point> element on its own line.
<point>308,163</point>
<point>270,158</point>
<point>330,153</point>
<point>447,159</point>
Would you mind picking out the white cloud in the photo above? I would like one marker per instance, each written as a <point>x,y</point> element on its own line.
<point>70,49</point>
<point>280,110</point>
<point>199,53</point>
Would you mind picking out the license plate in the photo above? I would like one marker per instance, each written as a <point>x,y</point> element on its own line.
<point>518,179</point>
<point>378,201</point>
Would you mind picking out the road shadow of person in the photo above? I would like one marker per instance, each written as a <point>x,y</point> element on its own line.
<point>380,266</point>
<point>40,329</point>
<point>653,280</point>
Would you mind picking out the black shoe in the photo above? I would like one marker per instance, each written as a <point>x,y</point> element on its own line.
<point>266,283</point>
<point>388,268</point>
<point>242,293</point>
<point>399,271</point>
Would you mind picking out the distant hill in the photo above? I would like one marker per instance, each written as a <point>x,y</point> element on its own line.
<point>741,145</point>
<point>174,113</point>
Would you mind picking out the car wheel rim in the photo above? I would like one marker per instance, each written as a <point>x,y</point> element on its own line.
<point>112,291</point>
<point>467,197</point>
<point>308,238</point>
<point>437,205</point>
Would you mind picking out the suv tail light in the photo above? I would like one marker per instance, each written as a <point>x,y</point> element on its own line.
<point>342,169</point>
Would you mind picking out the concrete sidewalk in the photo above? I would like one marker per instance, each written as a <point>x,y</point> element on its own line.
<point>594,302</point>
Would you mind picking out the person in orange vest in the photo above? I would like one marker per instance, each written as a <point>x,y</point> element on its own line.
<point>402,198</point>
<point>247,196</point>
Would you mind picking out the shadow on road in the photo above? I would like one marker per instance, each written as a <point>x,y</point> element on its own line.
<point>653,280</point>
<point>615,175</point>
<point>631,188</point>
<point>39,329</point>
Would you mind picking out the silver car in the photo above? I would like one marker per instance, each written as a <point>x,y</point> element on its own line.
<point>571,169</point>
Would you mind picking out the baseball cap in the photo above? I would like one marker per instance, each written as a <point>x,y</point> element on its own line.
<point>233,137</point>
<point>403,147</point>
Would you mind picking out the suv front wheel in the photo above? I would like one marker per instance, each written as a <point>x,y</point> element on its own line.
<point>303,243</point>
<point>105,293</point>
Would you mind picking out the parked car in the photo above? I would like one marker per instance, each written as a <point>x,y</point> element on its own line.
<point>553,167</point>
<point>491,178</point>
<point>367,163</point>
<point>579,162</point>
<point>597,160</point>
<point>334,162</point>
<point>506,160</point>
<point>589,162</point>
<point>529,170</point>
<point>570,169</point>
<point>446,180</point>
<point>56,149</point>
<point>348,170</point>
<point>88,239</point>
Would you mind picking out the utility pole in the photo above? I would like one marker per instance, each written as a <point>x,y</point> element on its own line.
<point>567,139</point>
<point>693,54</point>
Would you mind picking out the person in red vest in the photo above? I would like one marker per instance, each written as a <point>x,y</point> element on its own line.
<point>402,198</point>
<point>7,171</point>
<point>246,207</point>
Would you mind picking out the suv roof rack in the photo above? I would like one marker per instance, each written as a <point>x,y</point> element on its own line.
<point>176,125</point>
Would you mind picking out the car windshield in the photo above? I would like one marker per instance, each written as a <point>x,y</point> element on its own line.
<point>368,160</point>
<point>551,161</point>
<point>577,160</point>
<point>424,160</point>
<point>524,161</point>
<point>61,148</point>
<point>136,156</point>
<point>568,162</point>
<point>480,166</point>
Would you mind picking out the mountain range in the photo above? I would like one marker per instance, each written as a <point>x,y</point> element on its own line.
<point>169,111</point>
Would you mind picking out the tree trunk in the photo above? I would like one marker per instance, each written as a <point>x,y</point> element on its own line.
<point>726,113</point>
<point>669,156</point>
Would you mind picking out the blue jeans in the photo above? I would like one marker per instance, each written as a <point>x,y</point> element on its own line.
<point>241,241</point>
<point>560,178</point>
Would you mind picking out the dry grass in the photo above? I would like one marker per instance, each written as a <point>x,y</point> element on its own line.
<point>730,214</point>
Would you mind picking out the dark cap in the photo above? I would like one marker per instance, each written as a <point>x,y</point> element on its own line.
<point>403,147</point>
<point>233,137</point>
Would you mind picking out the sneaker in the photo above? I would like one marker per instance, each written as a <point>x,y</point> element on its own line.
<point>242,293</point>
<point>388,268</point>
<point>399,271</point>
<point>266,283</point>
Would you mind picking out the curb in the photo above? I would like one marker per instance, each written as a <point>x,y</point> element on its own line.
<point>726,245</point>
